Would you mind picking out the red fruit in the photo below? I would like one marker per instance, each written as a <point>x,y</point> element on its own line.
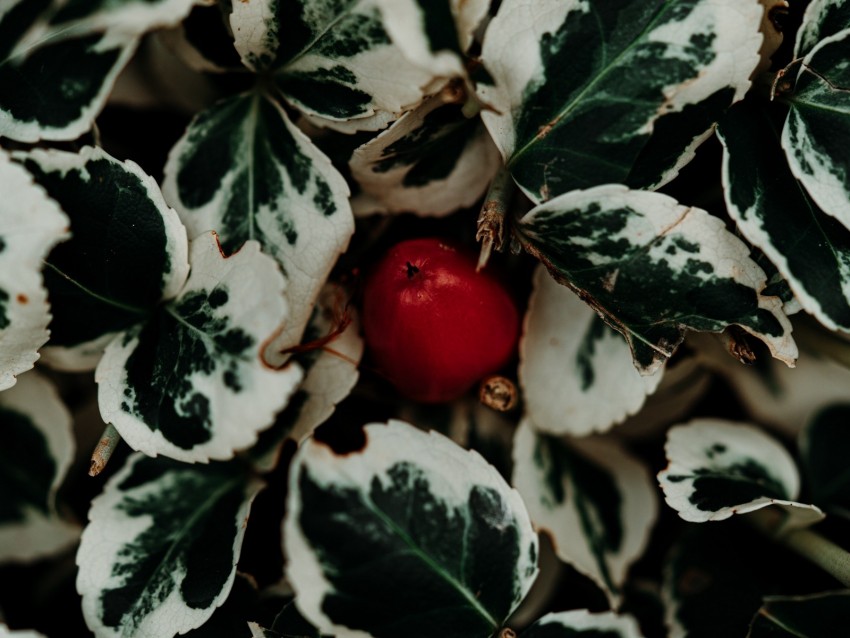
<point>434,326</point>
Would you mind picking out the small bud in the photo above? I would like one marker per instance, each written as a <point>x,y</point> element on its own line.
<point>499,393</point>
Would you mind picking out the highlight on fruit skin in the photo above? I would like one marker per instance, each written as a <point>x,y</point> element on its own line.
<point>434,327</point>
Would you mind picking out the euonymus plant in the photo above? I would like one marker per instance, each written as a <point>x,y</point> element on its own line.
<point>191,192</point>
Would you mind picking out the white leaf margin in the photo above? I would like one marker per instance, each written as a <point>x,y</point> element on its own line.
<point>581,619</point>
<point>85,356</point>
<point>107,534</point>
<point>828,191</point>
<point>555,326</point>
<point>39,535</point>
<point>31,223</point>
<point>235,423</point>
<point>386,445</point>
<point>685,449</point>
<point>562,522</point>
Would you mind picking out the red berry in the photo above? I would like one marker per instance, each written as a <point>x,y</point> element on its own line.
<point>433,325</point>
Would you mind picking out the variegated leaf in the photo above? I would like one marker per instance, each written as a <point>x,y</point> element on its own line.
<point>323,55</point>
<point>775,395</point>
<point>203,40</point>
<point>128,251</point>
<point>330,373</point>
<point>719,468</point>
<point>823,444</point>
<point>37,450</point>
<point>817,131</point>
<point>289,623</point>
<point>63,58</point>
<point>191,383</point>
<point>244,170</point>
<point>774,212</point>
<point>580,622</point>
<point>588,93</point>
<point>576,372</point>
<point>417,513</point>
<point>823,18</point>
<point>653,268</point>
<point>431,161</point>
<point>435,33</point>
<point>814,616</point>
<point>159,554</point>
<point>30,224</point>
<point>595,500</point>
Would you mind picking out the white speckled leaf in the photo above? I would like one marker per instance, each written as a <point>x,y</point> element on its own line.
<point>159,553</point>
<point>63,58</point>
<point>30,224</point>
<point>245,171</point>
<point>37,450</point>
<point>431,161</point>
<point>595,500</point>
<point>323,55</point>
<point>822,19</point>
<point>775,395</point>
<point>435,33</point>
<point>654,268</point>
<point>580,622</point>
<point>576,372</point>
<point>817,131</point>
<point>719,468</point>
<point>330,373</point>
<point>773,211</point>
<point>622,91</point>
<point>413,510</point>
<point>190,383</point>
<point>127,252</point>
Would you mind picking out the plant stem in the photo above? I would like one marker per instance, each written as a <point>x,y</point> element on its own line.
<point>820,551</point>
<point>811,336</point>
<point>491,219</point>
<point>105,447</point>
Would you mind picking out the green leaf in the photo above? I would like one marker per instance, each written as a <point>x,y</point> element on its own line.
<point>127,253</point>
<point>244,170</point>
<point>823,18</point>
<point>323,55</point>
<point>817,131</point>
<point>330,373</point>
<point>825,466</point>
<point>159,554</point>
<point>576,373</point>
<point>580,622</point>
<point>816,616</point>
<point>447,545</point>
<point>431,161</point>
<point>37,451</point>
<point>191,383</point>
<point>653,268</point>
<point>616,92</point>
<point>30,224</point>
<point>774,212</point>
<point>596,501</point>
<point>63,58</point>
<point>719,468</point>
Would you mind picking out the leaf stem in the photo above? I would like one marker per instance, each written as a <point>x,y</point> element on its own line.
<point>103,452</point>
<point>491,219</point>
<point>832,558</point>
